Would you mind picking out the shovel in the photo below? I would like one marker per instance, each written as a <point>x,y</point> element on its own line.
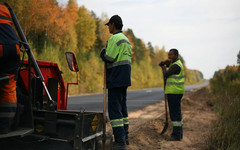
<point>166,111</point>
<point>104,105</point>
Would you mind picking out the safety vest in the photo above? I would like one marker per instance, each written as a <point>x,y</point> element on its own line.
<point>9,43</point>
<point>5,16</point>
<point>118,51</point>
<point>175,82</point>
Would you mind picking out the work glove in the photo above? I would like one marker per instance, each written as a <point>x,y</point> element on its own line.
<point>103,50</point>
<point>161,64</point>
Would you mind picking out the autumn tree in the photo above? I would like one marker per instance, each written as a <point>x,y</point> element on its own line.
<point>151,49</point>
<point>140,51</point>
<point>70,17</point>
<point>130,36</point>
<point>102,32</point>
<point>103,29</point>
<point>86,30</point>
<point>159,55</point>
<point>238,58</point>
<point>22,9</point>
<point>72,11</point>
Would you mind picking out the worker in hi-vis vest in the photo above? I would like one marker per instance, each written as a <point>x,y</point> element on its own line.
<point>117,55</point>
<point>174,89</point>
<point>9,63</point>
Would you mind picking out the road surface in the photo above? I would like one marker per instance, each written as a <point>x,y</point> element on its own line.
<point>136,99</point>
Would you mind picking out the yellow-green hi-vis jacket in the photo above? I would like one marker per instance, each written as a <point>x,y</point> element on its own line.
<point>175,82</point>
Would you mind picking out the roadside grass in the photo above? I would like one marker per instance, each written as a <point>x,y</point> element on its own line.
<point>225,86</point>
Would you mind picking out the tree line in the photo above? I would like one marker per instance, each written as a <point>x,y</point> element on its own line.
<point>53,29</point>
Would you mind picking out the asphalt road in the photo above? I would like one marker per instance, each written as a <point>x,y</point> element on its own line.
<point>136,99</point>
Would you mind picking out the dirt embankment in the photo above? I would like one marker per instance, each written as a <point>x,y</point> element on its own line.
<point>147,124</point>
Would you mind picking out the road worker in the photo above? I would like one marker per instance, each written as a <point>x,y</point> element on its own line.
<point>117,55</point>
<point>9,62</point>
<point>174,90</point>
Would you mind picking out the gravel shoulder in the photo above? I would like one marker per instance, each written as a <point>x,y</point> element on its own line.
<point>147,124</point>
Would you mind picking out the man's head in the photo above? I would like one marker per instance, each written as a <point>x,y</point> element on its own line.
<point>173,54</point>
<point>114,24</point>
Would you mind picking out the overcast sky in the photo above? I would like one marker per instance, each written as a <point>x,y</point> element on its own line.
<point>206,32</point>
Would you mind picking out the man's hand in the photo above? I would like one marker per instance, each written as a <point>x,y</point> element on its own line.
<point>103,50</point>
<point>163,63</point>
<point>163,67</point>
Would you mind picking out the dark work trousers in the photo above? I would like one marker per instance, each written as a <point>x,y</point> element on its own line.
<point>117,110</point>
<point>174,104</point>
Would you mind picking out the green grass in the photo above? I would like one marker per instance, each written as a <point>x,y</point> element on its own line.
<point>225,86</point>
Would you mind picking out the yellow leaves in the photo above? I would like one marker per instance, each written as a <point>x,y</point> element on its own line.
<point>86,28</point>
<point>91,74</point>
<point>144,75</point>
<point>104,34</point>
<point>130,38</point>
<point>160,55</point>
<point>227,79</point>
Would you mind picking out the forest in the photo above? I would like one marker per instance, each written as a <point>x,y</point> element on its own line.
<point>53,29</point>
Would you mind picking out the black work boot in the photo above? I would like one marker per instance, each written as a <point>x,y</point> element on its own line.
<point>173,138</point>
<point>127,142</point>
<point>5,125</point>
<point>176,134</point>
<point>182,132</point>
<point>119,146</point>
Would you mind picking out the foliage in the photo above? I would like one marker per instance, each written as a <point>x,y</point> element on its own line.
<point>227,80</point>
<point>238,58</point>
<point>226,86</point>
<point>52,30</point>
<point>86,27</point>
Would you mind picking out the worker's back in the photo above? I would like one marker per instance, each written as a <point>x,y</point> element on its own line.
<point>9,43</point>
<point>9,63</point>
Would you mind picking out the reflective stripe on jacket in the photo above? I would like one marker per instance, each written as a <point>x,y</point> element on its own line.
<point>175,82</point>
